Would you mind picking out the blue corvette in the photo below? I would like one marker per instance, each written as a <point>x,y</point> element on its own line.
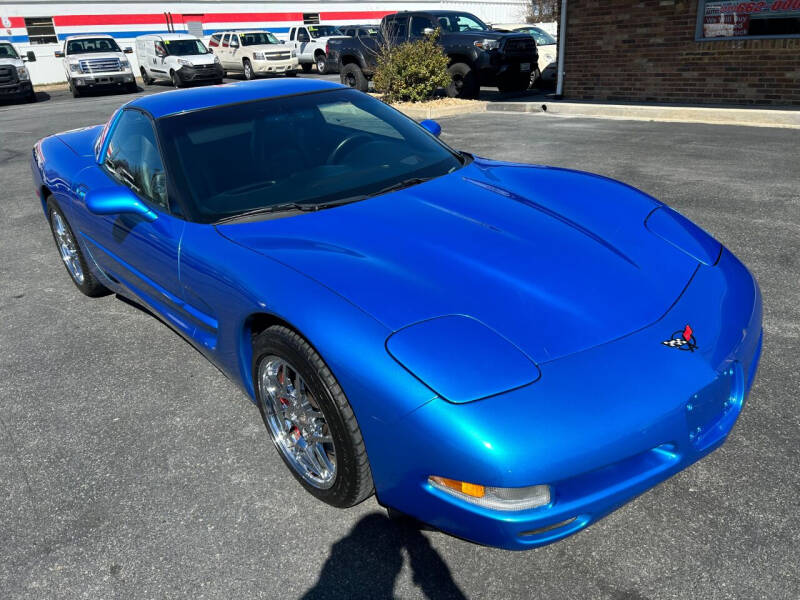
<point>506,352</point>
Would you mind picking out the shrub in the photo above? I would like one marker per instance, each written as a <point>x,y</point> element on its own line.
<point>411,71</point>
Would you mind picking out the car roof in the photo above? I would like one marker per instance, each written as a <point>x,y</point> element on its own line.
<point>191,99</point>
<point>89,36</point>
<point>168,36</point>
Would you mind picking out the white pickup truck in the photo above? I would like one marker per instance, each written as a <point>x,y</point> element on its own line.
<point>310,41</point>
<point>95,61</point>
<point>15,81</point>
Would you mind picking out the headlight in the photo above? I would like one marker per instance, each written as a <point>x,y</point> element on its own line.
<point>185,63</point>
<point>75,67</point>
<point>216,60</point>
<point>487,44</point>
<point>258,56</point>
<point>22,74</point>
<point>124,64</point>
<point>294,53</point>
<point>495,498</point>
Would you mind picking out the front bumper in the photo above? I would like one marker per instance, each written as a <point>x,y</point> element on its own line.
<point>102,79</point>
<point>211,72</point>
<point>600,427</point>
<point>276,66</point>
<point>20,89</point>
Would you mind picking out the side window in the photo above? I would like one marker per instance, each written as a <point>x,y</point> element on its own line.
<point>418,25</point>
<point>397,28</point>
<point>132,158</point>
<point>225,40</point>
<point>291,34</point>
<point>214,41</point>
<point>350,32</point>
<point>302,35</point>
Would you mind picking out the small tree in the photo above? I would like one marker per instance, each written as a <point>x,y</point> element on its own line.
<point>411,71</point>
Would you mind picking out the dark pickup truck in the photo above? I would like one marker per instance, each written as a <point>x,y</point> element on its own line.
<point>478,56</point>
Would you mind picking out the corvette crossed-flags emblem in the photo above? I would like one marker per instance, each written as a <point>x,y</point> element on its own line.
<point>682,340</point>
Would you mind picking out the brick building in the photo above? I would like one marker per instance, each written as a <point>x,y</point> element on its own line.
<point>683,51</point>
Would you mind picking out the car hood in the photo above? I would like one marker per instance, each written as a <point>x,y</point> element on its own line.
<point>82,140</point>
<point>13,62</point>
<point>553,260</point>
<point>197,59</point>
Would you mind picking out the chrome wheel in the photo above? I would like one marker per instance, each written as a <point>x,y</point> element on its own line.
<point>296,422</point>
<point>66,246</point>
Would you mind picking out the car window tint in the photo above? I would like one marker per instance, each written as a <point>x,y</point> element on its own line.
<point>133,159</point>
<point>349,115</point>
<point>225,40</point>
<point>418,25</point>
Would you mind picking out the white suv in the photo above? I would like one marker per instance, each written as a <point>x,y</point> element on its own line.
<point>311,43</point>
<point>177,57</point>
<point>95,60</point>
<point>254,53</point>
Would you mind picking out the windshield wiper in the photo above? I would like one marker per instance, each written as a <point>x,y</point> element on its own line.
<point>401,185</point>
<point>286,207</point>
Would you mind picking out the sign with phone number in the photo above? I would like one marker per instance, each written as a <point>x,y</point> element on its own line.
<point>732,19</point>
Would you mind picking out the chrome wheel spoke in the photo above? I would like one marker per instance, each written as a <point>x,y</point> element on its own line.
<point>297,425</point>
<point>67,247</point>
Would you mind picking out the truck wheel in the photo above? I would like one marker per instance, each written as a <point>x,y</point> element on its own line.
<point>352,76</point>
<point>291,73</point>
<point>249,74</point>
<point>306,67</point>
<point>31,97</point>
<point>76,93</point>
<point>464,82</point>
<point>322,69</point>
<point>176,79</point>
<point>131,87</point>
<point>514,82</point>
<point>145,77</point>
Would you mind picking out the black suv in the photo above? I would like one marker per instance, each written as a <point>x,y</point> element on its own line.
<point>478,55</point>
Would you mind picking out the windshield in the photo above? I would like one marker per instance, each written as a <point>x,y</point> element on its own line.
<point>542,37</point>
<point>318,31</point>
<point>92,45</point>
<point>456,22</point>
<point>7,51</point>
<point>258,38</point>
<point>317,148</point>
<point>184,47</point>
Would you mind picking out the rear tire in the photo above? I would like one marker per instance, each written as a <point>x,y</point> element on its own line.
<point>71,253</point>
<point>464,82</point>
<point>306,67</point>
<point>249,74</point>
<point>352,76</point>
<point>351,479</point>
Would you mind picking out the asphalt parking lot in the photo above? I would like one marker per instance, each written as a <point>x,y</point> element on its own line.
<point>131,468</point>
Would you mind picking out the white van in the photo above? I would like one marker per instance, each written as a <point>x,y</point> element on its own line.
<point>177,57</point>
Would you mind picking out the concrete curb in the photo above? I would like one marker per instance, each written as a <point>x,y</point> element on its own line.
<point>751,117</point>
<point>420,113</point>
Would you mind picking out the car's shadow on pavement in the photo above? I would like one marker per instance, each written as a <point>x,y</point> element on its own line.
<point>366,562</point>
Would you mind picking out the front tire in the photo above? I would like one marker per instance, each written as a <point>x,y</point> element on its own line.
<point>146,80</point>
<point>322,68</point>
<point>71,253</point>
<point>306,67</point>
<point>309,418</point>
<point>31,97</point>
<point>131,87</point>
<point>464,82</point>
<point>177,81</point>
<point>515,82</point>
<point>291,73</point>
<point>352,76</point>
<point>249,74</point>
<point>76,93</point>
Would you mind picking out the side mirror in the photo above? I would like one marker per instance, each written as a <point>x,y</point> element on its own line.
<point>116,201</point>
<point>128,50</point>
<point>31,56</point>
<point>428,31</point>
<point>432,127</point>
<point>58,54</point>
